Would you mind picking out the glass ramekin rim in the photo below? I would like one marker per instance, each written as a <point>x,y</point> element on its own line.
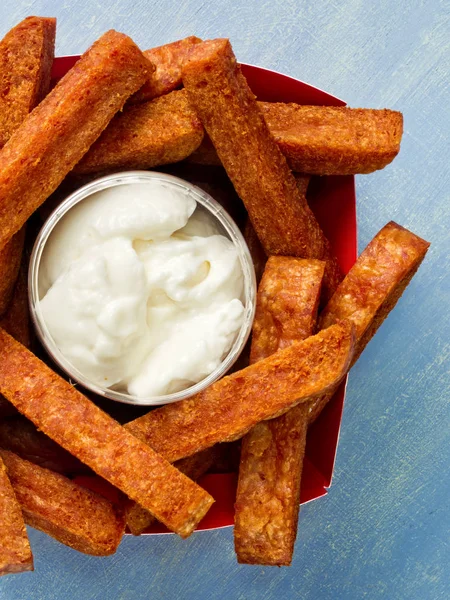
<point>207,202</point>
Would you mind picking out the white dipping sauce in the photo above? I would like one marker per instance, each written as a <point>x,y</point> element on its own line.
<point>139,292</point>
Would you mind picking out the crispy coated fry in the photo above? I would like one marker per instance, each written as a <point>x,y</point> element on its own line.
<point>97,440</point>
<point>286,309</point>
<point>372,288</point>
<point>282,219</point>
<point>331,140</point>
<point>15,551</point>
<point>75,516</point>
<point>168,60</point>
<point>10,258</point>
<point>254,245</point>
<point>268,494</point>
<point>54,137</point>
<point>326,140</point>
<point>138,519</point>
<point>233,405</point>
<point>26,58</point>
<point>160,132</point>
<point>20,436</point>
<point>16,320</point>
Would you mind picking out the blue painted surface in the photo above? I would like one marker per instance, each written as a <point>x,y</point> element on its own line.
<point>383,530</point>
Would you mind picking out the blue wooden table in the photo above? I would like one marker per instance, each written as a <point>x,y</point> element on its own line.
<point>383,530</point>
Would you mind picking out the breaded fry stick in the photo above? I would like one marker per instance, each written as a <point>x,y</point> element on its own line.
<point>160,132</point>
<point>97,440</point>
<point>54,137</point>
<point>287,303</point>
<point>26,58</point>
<point>268,494</point>
<point>138,519</point>
<point>372,287</point>
<point>258,255</point>
<point>279,213</point>
<point>168,60</point>
<point>15,551</point>
<point>20,436</point>
<point>75,516</point>
<point>10,259</point>
<point>16,320</point>
<point>334,140</point>
<point>233,405</point>
<point>326,140</point>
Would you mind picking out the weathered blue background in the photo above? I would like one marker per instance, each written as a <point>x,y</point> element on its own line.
<point>383,530</point>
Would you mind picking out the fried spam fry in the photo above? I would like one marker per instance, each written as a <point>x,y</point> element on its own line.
<point>97,440</point>
<point>233,405</point>
<point>10,259</point>
<point>268,493</point>
<point>20,436</point>
<point>258,255</point>
<point>15,551</point>
<point>138,519</point>
<point>287,304</point>
<point>228,110</point>
<point>16,320</point>
<point>168,60</point>
<point>326,140</point>
<point>75,516</point>
<point>372,288</point>
<point>160,132</point>
<point>334,140</point>
<point>26,58</point>
<point>54,137</point>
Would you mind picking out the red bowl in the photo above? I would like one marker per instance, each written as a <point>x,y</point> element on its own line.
<point>333,201</point>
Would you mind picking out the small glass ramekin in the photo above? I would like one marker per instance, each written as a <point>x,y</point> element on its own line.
<point>230,229</point>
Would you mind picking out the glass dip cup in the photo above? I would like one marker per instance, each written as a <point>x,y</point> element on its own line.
<point>225,225</point>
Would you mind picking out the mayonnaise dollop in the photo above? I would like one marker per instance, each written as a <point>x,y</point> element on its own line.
<point>140,291</point>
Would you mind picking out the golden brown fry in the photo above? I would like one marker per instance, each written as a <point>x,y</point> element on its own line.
<point>326,140</point>
<point>75,516</point>
<point>15,551</point>
<point>287,304</point>
<point>10,259</point>
<point>282,219</point>
<point>160,132</point>
<point>372,288</point>
<point>258,255</point>
<point>332,140</point>
<point>268,494</point>
<point>20,436</point>
<point>54,137</point>
<point>97,440</point>
<point>26,58</point>
<point>138,519</point>
<point>233,405</point>
<point>168,60</point>
<point>16,320</point>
